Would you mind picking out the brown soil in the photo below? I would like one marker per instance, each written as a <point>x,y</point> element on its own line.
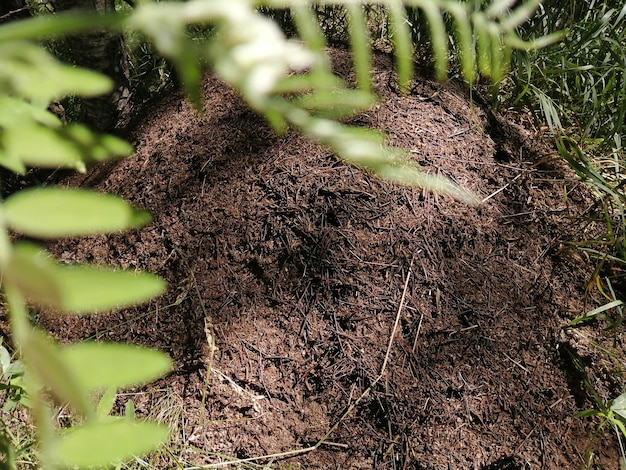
<point>295,265</point>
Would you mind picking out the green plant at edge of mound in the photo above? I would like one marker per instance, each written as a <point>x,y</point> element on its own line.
<point>288,81</point>
<point>611,413</point>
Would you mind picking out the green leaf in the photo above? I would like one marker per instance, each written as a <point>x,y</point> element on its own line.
<point>5,360</point>
<point>465,41</point>
<point>402,43</point>
<point>32,271</point>
<point>595,312</point>
<point>410,176</point>
<point>620,425</point>
<point>498,8</point>
<point>164,25</point>
<point>12,163</point>
<point>117,366</point>
<point>360,46</point>
<point>47,364</point>
<point>15,370</point>
<point>498,57</point>
<point>482,44</point>
<point>78,288</point>
<point>16,112</point>
<point>604,308</point>
<point>519,15</point>
<point>105,405</point>
<point>57,25</point>
<point>365,149</point>
<point>619,405</point>
<point>187,64</point>
<point>29,71</point>
<point>586,413</point>
<point>102,444</point>
<point>307,82</point>
<point>36,145</point>
<point>439,38</point>
<point>33,136</point>
<point>129,410</point>
<point>58,212</point>
<point>81,82</point>
<point>96,147</point>
<point>339,104</point>
<point>92,289</point>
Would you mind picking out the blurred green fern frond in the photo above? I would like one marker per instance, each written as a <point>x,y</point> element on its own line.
<point>483,33</point>
<point>290,81</point>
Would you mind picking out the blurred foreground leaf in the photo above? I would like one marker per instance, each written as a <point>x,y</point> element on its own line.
<point>58,212</point>
<point>93,289</point>
<point>100,444</point>
<point>111,365</point>
<point>45,361</point>
<point>29,71</point>
<point>78,288</point>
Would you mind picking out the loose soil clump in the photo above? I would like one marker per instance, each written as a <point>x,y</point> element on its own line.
<point>287,270</point>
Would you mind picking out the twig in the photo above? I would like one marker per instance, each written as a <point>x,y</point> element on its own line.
<point>14,12</point>
<point>419,328</point>
<point>502,188</point>
<point>395,325</point>
<point>516,363</point>
<point>291,453</point>
<point>459,132</point>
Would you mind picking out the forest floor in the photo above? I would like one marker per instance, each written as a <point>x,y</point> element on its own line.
<point>288,269</point>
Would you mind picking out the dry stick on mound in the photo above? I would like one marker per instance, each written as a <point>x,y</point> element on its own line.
<point>293,453</point>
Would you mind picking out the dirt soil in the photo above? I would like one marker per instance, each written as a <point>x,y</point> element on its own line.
<point>287,270</point>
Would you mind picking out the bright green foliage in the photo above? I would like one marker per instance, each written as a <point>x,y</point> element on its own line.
<point>40,146</point>
<point>30,78</point>
<point>598,312</point>
<point>613,416</point>
<point>101,444</point>
<point>106,403</point>
<point>30,271</point>
<point>36,139</point>
<point>114,366</point>
<point>578,89</point>
<point>619,406</point>
<point>91,289</point>
<point>12,373</point>
<point>78,288</point>
<point>607,183</point>
<point>250,52</point>
<point>47,366</point>
<point>56,212</point>
<point>29,71</point>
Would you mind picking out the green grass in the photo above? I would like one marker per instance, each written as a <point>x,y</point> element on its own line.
<point>579,84</point>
